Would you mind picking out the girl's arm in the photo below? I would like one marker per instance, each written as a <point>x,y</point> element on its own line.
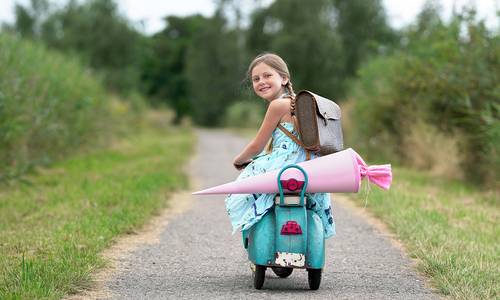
<point>275,111</point>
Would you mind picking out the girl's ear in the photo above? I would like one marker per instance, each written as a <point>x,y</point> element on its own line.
<point>284,80</point>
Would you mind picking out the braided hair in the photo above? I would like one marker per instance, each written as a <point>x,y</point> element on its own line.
<point>291,94</point>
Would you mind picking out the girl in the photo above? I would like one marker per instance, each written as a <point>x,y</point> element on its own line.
<point>271,81</point>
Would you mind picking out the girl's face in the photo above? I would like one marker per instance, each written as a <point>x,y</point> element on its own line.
<point>267,82</point>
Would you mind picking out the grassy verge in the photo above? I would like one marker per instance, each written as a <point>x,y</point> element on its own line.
<point>53,227</point>
<point>450,228</point>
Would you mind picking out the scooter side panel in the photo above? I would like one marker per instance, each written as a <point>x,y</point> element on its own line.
<point>261,240</point>
<point>293,243</point>
<point>315,257</point>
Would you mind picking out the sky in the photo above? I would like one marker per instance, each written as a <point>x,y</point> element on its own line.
<point>149,13</point>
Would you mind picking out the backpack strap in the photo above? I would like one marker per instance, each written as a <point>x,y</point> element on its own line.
<point>296,140</point>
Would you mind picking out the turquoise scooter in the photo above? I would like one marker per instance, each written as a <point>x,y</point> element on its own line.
<point>288,237</point>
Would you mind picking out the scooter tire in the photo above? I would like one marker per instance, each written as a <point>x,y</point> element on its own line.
<point>259,276</point>
<point>282,272</point>
<point>314,278</point>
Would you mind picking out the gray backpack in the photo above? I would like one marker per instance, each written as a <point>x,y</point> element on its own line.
<point>318,121</point>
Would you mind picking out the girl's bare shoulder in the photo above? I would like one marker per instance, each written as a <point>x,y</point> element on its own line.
<point>280,104</point>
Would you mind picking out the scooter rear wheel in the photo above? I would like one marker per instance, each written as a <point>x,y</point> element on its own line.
<point>314,278</point>
<point>282,272</point>
<point>258,276</point>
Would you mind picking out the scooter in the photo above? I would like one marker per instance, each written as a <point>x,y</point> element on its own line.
<point>288,237</point>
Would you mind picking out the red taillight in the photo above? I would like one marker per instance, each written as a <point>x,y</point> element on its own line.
<point>292,184</point>
<point>291,227</point>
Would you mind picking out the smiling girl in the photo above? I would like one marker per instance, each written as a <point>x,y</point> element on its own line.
<point>271,81</point>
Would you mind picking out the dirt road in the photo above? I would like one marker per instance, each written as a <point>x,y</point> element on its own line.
<point>194,255</point>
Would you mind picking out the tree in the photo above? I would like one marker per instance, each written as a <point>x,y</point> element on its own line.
<point>306,38</point>
<point>364,31</point>
<point>29,19</point>
<point>195,66</point>
<point>163,72</point>
<point>214,67</point>
<point>442,82</point>
<point>94,30</point>
<point>323,41</point>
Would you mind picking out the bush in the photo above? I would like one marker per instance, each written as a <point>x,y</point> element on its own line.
<point>245,114</point>
<point>49,105</point>
<point>446,77</point>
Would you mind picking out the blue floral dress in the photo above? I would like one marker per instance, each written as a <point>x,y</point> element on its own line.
<point>246,210</point>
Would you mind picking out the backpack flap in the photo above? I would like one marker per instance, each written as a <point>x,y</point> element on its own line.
<point>329,125</point>
<point>327,109</point>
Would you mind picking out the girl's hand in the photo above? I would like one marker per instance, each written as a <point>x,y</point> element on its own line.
<point>240,166</point>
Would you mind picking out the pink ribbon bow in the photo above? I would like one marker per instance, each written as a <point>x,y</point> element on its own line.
<point>380,175</point>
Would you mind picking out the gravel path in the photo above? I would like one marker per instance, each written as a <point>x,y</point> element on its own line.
<point>197,257</point>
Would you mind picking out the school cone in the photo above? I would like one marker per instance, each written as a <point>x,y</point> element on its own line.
<point>339,172</point>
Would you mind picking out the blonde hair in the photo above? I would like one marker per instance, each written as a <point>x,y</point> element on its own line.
<point>278,64</point>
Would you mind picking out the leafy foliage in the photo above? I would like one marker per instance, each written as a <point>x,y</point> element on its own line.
<point>195,64</point>
<point>213,68</point>
<point>446,75</point>
<point>439,75</point>
<point>364,32</point>
<point>164,67</point>
<point>94,30</point>
<point>49,106</point>
<point>323,41</point>
<point>245,114</point>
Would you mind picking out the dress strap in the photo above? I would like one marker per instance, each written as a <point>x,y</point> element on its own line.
<point>296,140</point>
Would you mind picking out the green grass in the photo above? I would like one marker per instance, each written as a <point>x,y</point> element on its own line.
<point>54,225</point>
<point>451,229</point>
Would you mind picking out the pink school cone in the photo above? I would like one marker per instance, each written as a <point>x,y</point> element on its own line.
<point>339,172</point>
